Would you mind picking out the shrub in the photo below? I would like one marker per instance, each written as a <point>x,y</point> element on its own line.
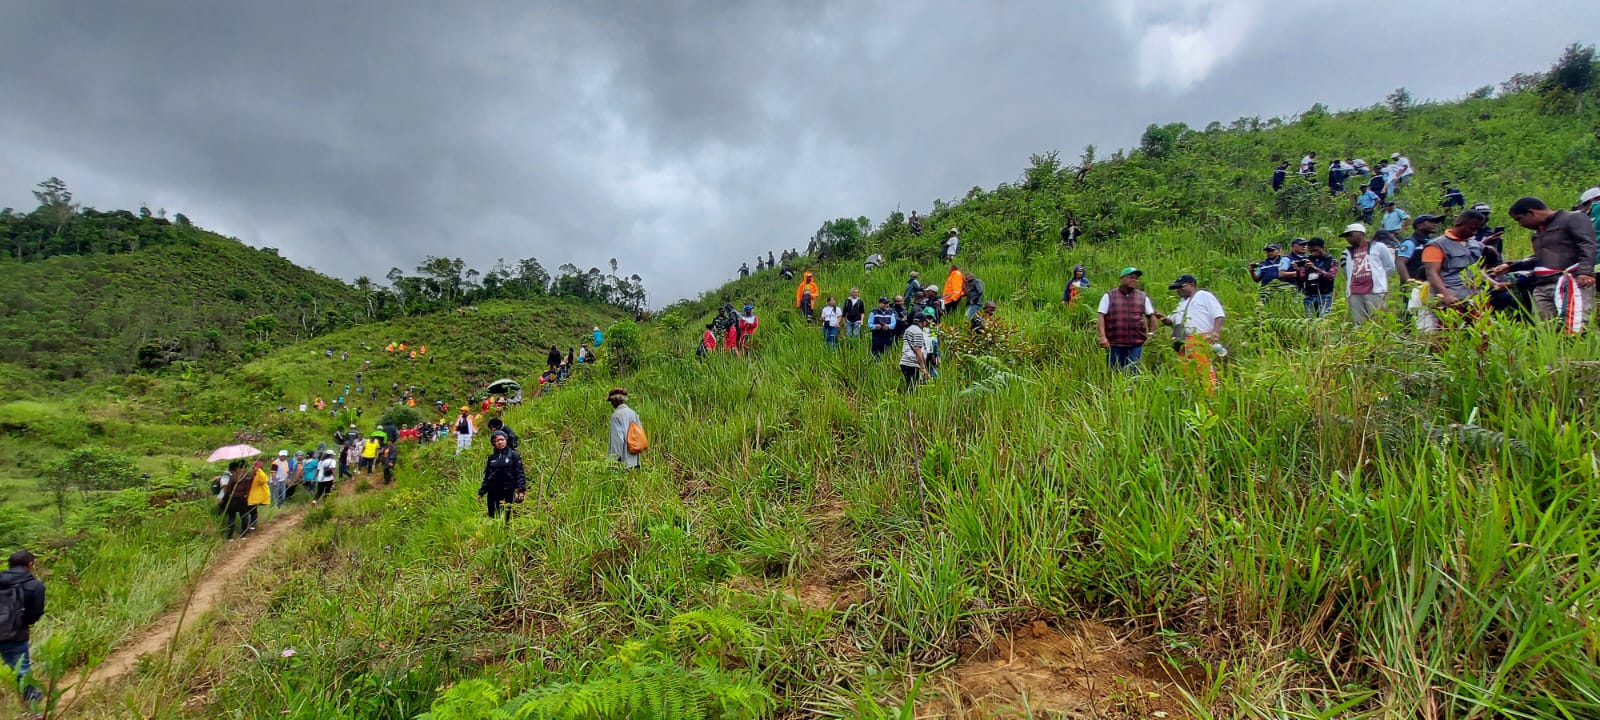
<point>400,416</point>
<point>623,348</point>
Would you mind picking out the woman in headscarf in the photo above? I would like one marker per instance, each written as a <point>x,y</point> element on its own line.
<point>260,493</point>
<point>622,418</point>
<point>1078,283</point>
<point>503,479</point>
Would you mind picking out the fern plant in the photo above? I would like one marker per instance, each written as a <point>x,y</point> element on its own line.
<point>688,669</point>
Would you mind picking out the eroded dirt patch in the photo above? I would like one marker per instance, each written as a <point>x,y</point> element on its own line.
<point>1079,669</point>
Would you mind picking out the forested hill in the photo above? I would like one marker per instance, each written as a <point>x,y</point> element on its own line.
<point>88,292</point>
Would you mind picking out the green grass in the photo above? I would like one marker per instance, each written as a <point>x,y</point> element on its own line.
<point>1355,524</point>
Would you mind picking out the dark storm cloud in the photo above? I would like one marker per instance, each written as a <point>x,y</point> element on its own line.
<point>681,138</point>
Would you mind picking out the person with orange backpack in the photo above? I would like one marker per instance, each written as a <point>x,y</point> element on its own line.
<point>628,440</point>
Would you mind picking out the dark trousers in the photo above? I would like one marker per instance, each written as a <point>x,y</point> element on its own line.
<point>500,500</point>
<point>1125,358</point>
<point>323,488</point>
<point>15,655</point>
<point>881,342</point>
<point>388,474</point>
<point>913,375</point>
<point>236,515</point>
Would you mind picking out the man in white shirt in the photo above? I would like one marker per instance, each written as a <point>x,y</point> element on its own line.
<point>1197,327</point>
<point>952,241</point>
<point>831,315</point>
<point>1403,170</point>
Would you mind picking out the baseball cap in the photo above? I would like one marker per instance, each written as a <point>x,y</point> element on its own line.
<point>928,312</point>
<point>1271,247</point>
<point>883,298</point>
<point>1184,279</point>
<point>1427,218</point>
<point>1131,271</point>
<point>283,453</point>
<point>1298,241</point>
<point>1589,195</point>
<point>748,307</point>
<point>1395,156</point>
<point>1354,227</point>
<point>1480,208</point>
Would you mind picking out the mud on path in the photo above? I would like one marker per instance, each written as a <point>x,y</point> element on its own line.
<point>234,558</point>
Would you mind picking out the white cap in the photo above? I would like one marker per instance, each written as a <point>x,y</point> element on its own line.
<point>1354,227</point>
<point>1395,156</point>
<point>954,230</point>
<point>1589,195</point>
<point>283,453</point>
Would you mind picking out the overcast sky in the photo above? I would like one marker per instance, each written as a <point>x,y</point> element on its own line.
<point>680,137</point>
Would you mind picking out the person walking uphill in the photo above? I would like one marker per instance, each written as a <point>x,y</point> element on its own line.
<point>972,289</point>
<point>21,605</point>
<point>504,481</point>
<point>1126,319</point>
<point>627,438</point>
<point>388,457</point>
<point>1562,262</point>
<point>952,242</point>
<point>805,296</point>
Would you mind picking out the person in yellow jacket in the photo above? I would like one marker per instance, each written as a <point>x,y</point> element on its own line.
<point>260,494</point>
<point>954,288</point>
<point>805,296</point>
<point>369,453</point>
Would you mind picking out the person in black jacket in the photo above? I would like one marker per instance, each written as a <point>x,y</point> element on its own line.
<point>854,312</point>
<point>503,479</point>
<point>496,425</point>
<point>21,604</point>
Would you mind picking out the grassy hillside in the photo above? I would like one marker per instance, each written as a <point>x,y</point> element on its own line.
<point>197,296</point>
<point>1354,524</point>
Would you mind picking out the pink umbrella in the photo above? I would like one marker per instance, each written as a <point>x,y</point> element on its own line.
<point>232,452</point>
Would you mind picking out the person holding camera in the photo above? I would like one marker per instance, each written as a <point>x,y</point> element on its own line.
<point>1317,271</point>
<point>504,481</point>
<point>1267,271</point>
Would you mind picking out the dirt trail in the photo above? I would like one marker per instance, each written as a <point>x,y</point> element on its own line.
<point>235,558</point>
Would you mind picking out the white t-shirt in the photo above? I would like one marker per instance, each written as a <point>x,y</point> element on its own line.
<point>1405,167</point>
<point>328,468</point>
<point>831,315</point>
<point>951,243</point>
<point>915,339</point>
<point>1199,312</point>
<point>1105,303</point>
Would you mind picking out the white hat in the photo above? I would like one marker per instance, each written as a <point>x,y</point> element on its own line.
<point>1354,227</point>
<point>954,230</point>
<point>1589,195</point>
<point>283,453</point>
<point>1395,156</point>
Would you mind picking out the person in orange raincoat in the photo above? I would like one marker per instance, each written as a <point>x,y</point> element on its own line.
<point>805,296</point>
<point>422,350</point>
<point>954,289</point>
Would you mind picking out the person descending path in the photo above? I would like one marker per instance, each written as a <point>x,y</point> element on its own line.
<point>280,478</point>
<point>626,436</point>
<point>464,430</point>
<point>805,296</point>
<point>327,472</point>
<point>952,242</point>
<point>953,291</point>
<point>882,323</point>
<point>388,457</point>
<point>747,328</point>
<point>21,606</point>
<point>1367,266</point>
<point>914,350</point>
<point>913,284</point>
<point>1444,261</point>
<point>1125,321</point>
<point>831,315</point>
<point>504,481</point>
<point>1197,328</point>
<point>855,311</point>
<point>1075,286</point>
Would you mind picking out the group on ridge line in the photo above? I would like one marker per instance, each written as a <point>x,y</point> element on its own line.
<point>1446,265</point>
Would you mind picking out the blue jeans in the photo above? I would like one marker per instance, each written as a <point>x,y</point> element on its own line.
<point>1318,305</point>
<point>971,310</point>
<point>278,491</point>
<point>853,328</point>
<point>15,655</point>
<point>830,335</point>
<point>1124,358</point>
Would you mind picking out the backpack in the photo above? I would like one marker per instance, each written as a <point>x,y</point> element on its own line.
<point>11,610</point>
<point>637,441</point>
<point>462,426</point>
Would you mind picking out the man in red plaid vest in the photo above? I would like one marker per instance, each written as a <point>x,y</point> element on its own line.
<point>1126,320</point>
